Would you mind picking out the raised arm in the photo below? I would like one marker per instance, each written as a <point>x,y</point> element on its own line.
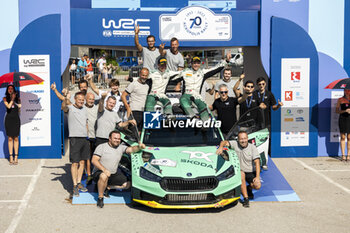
<point>212,90</point>
<point>101,103</point>
<point>216,69</point>
<point>53,87</point>
<point>137,44</point>
<point>125,102</point>
<point>133,149</point>
<point>66,102</point>
<point>162,51</point>
<point>235,88</point>
<point>92,84</point>
<point>242,98</point>
<point>221,147</point>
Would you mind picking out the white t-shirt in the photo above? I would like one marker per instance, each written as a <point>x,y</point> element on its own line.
<point>150,58</point>
<point>138,93</point>
<point>100,63</point>
<point>174,61</point>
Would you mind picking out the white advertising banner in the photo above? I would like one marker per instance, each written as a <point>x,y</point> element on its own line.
<point>335,134</point>
<point>295,94</point>
<point>195,23</point>
<point>35,111</point>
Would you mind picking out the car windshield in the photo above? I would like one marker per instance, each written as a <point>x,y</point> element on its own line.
<point>182,136</point>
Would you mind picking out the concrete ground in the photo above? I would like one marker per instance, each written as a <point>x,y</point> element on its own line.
<point>35,197</point>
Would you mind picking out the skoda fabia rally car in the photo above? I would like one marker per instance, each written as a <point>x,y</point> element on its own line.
<point>179,169</point>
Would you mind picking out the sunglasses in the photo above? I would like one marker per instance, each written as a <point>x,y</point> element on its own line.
<point>250,86</point>
<point>261,84</point>
<point>223,92</point>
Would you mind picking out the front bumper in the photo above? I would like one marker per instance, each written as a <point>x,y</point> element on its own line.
<point>157,205</point>
<point>186,201</point>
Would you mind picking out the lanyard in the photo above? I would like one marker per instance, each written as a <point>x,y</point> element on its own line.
<point>250,102</point>
<point>263,97</point>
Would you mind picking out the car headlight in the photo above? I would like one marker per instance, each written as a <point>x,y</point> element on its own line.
<point>227,174</point>
<point>147,175</point>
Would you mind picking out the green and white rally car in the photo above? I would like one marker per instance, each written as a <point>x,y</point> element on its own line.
<point>179,168</point>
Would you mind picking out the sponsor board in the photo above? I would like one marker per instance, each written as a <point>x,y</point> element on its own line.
<point>124,27</point>
<point>195,23</point>
<point>35,111</point>
<point>295,86</point>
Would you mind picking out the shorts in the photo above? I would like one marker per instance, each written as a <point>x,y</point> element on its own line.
<point>138,116</point>
<point>100,141</point>
<point>79,149</point>
<point>90,72</point>
<point>117,178</point>
<point>92,142</point>
<point>249,176</point>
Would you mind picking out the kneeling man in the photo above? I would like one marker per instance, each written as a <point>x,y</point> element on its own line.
<point>106,160</point>
<point>249,160</point>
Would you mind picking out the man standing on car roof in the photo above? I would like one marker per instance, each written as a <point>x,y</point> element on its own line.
<point>150,53</point>
<point>174,57</point>
<point>193,81</point>
<point>249,160</point>
<point>160,79</point>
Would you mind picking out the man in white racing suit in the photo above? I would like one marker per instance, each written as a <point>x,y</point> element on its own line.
<point>193,80</point>
<point>159,81</point>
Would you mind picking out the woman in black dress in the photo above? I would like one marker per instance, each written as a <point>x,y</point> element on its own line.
<point>12,121</point>
<point>343,108</point>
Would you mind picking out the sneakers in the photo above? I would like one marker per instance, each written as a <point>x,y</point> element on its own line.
<point>250,192</point>
<point>246,203</point>
<point>89,180</point>
<point>106,193</point>
<point>265,168</point>
<point>100,202</point>
<point>76,191</point>
<point>82,188</point>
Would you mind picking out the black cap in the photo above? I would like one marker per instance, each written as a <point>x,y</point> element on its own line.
<point>196,59</point>
<point>162,60</point>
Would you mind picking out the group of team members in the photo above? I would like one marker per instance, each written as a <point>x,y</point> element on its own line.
<point>95,116</point>
<point>92,136</point>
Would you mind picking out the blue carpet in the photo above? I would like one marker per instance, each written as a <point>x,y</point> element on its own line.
<point>274,187</point>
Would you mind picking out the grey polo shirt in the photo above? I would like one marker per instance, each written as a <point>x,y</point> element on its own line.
<point>174,60</point>
<point>150,58</point>
<point>77,120</point>
<point>246,155</point>
<point>110,156</point>
<point>92,117</point>
<point>138,94</point>
<point>106,122</point>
